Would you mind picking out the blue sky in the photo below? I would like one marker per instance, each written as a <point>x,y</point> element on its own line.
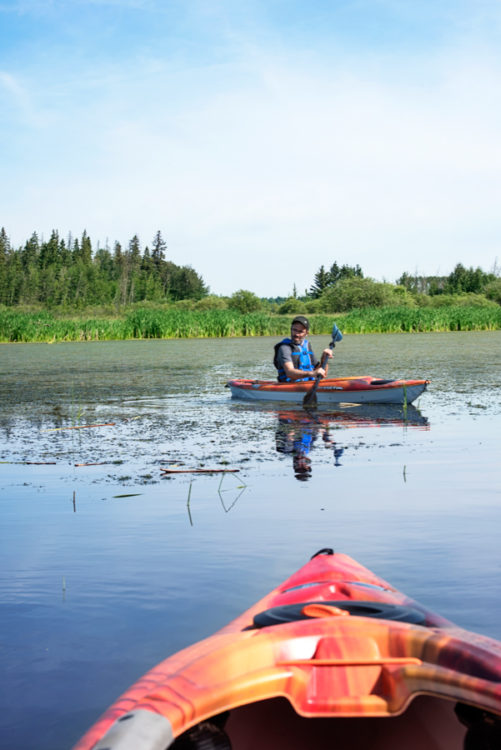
<point>263,139</point>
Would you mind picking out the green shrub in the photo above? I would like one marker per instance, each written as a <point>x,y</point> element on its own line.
<point>183,304</point>
<point>292,306</point>
<point>244,301</point>
<point>469,299</point>
<point>493,291</point>
<point>313,306</point>
<point>211,302</point>
<point>357,293</point>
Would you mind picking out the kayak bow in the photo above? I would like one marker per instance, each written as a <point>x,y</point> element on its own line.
<point>333,652</point>
<point>358,389</point>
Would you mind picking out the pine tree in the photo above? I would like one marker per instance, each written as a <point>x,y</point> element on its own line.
<point>86,249</point>
<point>135,254</point>
<point>158,249</point>
<point>4,246</point>
<point>49,251</point>
<point>4,254</point>
<point>320,283</point>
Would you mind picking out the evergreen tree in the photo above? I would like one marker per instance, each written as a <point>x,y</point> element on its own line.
<point>4,245</point>
<point>4,257</point>
<point>147,265</point>
<point>334,274</point>
<point>135,254</point>
<point>49,251</point>
<point>463,280</point>
<point>158,249</point>
<point>13,279</point>
<point>187,284</point>
<point>75,251</point>
<point>104,262</point>
<point>345,272</point>
<point>118,259</point>
<point>324,280</point>
<point>56,272</point>
<point>320,283</point>
<point>86,249</point>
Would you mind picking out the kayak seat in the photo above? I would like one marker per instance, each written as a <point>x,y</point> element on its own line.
<point>484,728</point>
<point>381,382</point>
<point>379,610</point>
<point>204,736</point>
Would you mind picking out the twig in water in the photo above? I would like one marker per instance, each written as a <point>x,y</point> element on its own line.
<point>38,463</point>
<point>101,463</point>
<point>199,471</point>
<point>240,487</point>
<point>79,427</point>
<point>188,505</point>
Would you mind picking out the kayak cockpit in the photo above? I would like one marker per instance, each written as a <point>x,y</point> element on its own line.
<point>429,722</point>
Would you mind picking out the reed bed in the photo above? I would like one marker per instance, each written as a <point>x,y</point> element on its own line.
<point>17,326</point>
<point>424,319</point>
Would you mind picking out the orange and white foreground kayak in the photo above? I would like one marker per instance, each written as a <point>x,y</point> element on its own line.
<point>357,389</point>
<point>333,657</point>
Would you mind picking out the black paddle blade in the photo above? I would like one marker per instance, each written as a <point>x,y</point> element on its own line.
<point>310,398</point>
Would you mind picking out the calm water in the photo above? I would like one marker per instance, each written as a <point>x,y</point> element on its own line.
<point>108,568</point>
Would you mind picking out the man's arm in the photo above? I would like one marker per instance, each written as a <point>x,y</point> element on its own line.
<point>295,374</point>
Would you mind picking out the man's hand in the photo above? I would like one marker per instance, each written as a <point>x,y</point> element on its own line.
<point>322,371</point>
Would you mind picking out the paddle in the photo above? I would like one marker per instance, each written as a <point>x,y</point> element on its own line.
<point>310,399</point>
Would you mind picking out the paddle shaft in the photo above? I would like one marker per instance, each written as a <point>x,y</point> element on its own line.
<point>310,398</point>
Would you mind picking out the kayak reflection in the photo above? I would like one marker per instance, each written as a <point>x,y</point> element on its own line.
<point>299,430</point>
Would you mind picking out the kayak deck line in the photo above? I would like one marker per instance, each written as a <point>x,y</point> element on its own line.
<point>427,682</point>
<point>383,662</point>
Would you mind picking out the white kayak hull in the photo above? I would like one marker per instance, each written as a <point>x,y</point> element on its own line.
<point>356,390</point>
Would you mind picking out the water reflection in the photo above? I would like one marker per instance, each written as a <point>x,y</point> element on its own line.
<point>298,430</point>
<point>228,495</point>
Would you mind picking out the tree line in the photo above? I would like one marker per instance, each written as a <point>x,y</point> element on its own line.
<point>71,274</point>
<point>60,272</point>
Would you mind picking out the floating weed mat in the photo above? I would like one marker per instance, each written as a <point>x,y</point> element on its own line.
<point>87,426</point>
<point>31,463</point>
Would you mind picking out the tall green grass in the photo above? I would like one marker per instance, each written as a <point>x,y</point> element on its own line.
<point>151,323</point>
<point>423,319</point>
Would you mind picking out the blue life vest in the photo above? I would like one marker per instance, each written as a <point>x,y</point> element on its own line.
<point>301,360</point>
<point>303,444</point>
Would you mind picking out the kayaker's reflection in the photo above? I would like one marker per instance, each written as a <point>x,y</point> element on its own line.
<point>296,435</point>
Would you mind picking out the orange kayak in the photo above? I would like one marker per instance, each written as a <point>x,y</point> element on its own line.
<point>333,657</point>
<point>356,389</point>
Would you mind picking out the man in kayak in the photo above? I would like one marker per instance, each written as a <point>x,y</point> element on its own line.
<point>294,357</point>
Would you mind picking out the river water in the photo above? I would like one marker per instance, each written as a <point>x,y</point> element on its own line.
<point>108,564</point>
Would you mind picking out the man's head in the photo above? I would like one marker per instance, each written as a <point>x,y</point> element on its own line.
<point>299,328</point>
<point>302,467</point>
<point>302,321</point>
